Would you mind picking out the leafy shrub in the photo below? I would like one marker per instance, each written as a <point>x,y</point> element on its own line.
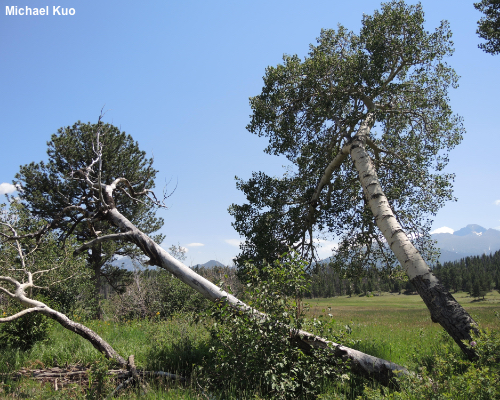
<point>447,374</point>
<point>24,332</point>
<point>154,294</point>
<point>250,351</point>
<point>99,380</point>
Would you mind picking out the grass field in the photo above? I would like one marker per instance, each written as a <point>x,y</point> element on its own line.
<point>394,327</point>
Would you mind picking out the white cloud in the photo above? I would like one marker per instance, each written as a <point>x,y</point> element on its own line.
<point>497,202</point>
<point>234,242</point>
<point>7,188</point>
<point>443,229</point>
<point>325,248</point>
<point>195,245</point>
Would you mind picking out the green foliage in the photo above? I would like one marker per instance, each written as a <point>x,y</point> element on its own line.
<point>447,374</point>
<point>177,345</point>
<point>251,350</point>
<point>476,275</point>
<point>154,294</point>
<point>178,252</point>
<point>489,25</point>
<point>24,332</point>
<point>57,276</point>
<point>49,188</point>
<point>98,379</point>
<point>310,108</point>
<point>396,328</point>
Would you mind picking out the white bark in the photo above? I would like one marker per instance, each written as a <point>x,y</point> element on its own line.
<point>361,363</point>
<point>441,304</point>
<point>37,306</point>
<point>409,257</point>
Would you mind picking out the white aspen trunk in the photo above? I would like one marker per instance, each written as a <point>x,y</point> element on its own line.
<point>37,306</point>
<point>360,363</point>
<point>441,304</point>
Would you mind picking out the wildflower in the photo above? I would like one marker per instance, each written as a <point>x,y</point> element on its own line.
<point>473,343</point>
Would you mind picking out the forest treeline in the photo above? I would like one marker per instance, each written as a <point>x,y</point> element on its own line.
<point>475,275</point>
<point>157,293</point>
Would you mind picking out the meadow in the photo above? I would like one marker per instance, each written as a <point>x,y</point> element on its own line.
<point>394,327</point>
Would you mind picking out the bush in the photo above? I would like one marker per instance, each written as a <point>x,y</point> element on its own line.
<point>447,374</point>
<point>253,353</point>
<point>24,332</point>
<point>154,294</point>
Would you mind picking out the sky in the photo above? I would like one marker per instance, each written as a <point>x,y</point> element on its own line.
<point>177,77</point>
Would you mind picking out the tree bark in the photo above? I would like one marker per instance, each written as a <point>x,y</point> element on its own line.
<point>99,343</point>
<point>443,308</point>
<point>37,306</point>
<point>96,265</point>
<point>360,363</point>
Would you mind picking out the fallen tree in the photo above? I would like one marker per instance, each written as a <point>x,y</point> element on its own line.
<point>20,263</point>
<point>18,257</point>
<point>105,211</point>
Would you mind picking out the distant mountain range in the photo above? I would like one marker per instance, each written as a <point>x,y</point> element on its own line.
<point>473,240</point>
<point>210,264</point>
<point>126,263</point>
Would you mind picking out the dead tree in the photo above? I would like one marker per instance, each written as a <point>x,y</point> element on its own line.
<point>20,287</point>
<point>102,195</point>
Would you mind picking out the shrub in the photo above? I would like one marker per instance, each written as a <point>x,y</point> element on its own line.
<point>24,332</point>
<point>447,374</point>
<point>250,351</point>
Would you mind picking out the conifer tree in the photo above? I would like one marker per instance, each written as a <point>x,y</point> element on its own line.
<point>49,195</point>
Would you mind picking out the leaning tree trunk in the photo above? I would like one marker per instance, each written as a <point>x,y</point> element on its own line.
<point>360,363</point>
<point>96,265</point>
<point>37,306</point>
<point>441,304</point>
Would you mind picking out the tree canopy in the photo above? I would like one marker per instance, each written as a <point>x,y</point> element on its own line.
<point>56,191</point>
<point>392,77</point>
<point>489,25</point>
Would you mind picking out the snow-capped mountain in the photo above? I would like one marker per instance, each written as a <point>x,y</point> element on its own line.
<point>473,240</point>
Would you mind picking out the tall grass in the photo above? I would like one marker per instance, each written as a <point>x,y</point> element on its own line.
<point>396,328</point>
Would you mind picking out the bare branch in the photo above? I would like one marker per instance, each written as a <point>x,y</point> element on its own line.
<point>6,292</point>
<point>46,270</point>
<point>100,239</point>
<point>20,314</point>
<point>54,283</point>
<point>10,280</point>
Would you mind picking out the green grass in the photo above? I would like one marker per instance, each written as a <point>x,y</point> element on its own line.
<point>397,327</point>
<point>394,327</point>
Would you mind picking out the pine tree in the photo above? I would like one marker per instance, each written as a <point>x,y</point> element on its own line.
<point>50,195</point>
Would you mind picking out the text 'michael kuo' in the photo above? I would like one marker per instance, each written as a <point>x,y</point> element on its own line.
<point>56,10</point>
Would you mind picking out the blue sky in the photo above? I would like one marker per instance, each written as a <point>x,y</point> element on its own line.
<point>177,77</point>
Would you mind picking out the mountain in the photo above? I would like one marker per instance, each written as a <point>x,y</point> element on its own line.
<point>210,264</point>
<point>472,229</point>
<point>126,263</point>
<point>473,240</point>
